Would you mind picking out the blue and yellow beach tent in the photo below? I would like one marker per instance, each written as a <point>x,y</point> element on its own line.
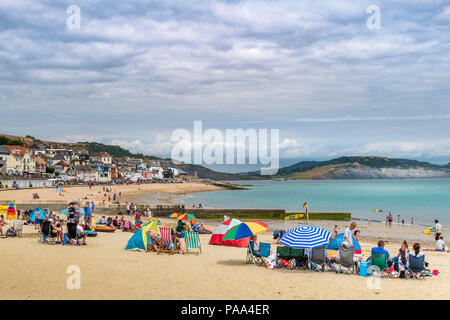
<point>139,240</point>
<point>39,212</point>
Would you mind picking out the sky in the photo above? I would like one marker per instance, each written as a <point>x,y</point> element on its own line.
<point>137,70</point>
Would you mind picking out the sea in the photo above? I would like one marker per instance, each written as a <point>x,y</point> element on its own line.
<point>421,199</point>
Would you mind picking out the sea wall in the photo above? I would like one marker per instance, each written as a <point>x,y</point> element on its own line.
<point>165,210</point>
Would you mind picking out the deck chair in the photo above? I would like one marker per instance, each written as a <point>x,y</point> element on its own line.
<point>166,236</point>
<point>72,234</point>
<point>47,237</point>
<point>346,263</point>
<point>192,242</point>
<point>264,252</point>
<point>317,261</point>
<point>379,264</point>
<point>285,254</point>
<point>416,268</point>
<point>18,227</point>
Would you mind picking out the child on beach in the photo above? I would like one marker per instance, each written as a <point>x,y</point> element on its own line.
<point>2,224</point>
<point>334,233</point>
<point>401,260</point>
<point>440,245</point>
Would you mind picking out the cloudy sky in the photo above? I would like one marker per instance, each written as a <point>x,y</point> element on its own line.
<point>137,70</point>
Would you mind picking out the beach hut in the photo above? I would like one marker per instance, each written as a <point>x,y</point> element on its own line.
<point>222,229</point>
<point>140,238</point>
<point>337,241</point>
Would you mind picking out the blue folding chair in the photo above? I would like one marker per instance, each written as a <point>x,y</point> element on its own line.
<point>252,256</point>
<point>264,252</point>
<point>416,267</point>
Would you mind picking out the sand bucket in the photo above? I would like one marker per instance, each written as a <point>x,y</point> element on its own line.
<point>364,269</point>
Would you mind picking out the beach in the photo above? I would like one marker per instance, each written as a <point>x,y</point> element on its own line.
<point>130,192</point>
<point>32,270</point>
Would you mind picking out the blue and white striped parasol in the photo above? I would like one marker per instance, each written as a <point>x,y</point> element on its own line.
<point>306,237</point>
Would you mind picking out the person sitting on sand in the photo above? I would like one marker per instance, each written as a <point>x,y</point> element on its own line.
<point>127,226</point>
<point>401,260</point>
<point>80,232</point>
<point>180,226</point>
<point>275,234</point>
<point>101,220</point>
<point>109,222</point>
<point>2,224</point>
<point>380,250</point>
<point>440,245</point>
<point>116,222</point>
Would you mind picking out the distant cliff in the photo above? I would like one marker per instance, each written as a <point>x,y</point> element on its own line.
<point>360,167</point>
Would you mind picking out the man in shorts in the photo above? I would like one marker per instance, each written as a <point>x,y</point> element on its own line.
<point>437,229</point>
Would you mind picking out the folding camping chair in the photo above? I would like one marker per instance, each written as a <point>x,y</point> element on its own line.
<point>264,252</point>
<point>379,264</point>
<point>317,261</point>
<point>47,236</point>
<point>72,234</point>
<point>297,255</point>
<point>18,227</point>
<point>416,268</point>
<point>40,231</point>
<point>283,255</point>
<point>192,242</point>
<point>166,235</point>
<point>252,256</point>
<point>346,262</point>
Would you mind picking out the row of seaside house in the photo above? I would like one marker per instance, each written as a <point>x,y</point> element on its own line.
<point>67,164</point>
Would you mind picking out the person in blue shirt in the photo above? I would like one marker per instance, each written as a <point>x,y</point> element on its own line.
<point>380,250</point>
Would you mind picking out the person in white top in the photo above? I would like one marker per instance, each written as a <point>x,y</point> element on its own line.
<point>440,245</point>
<point>437,229</point>
<point>348,235</point>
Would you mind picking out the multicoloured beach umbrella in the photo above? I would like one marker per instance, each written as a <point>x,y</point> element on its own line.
<point>174,215</point>
<point>245,230</point>
<point>187,216</point>
<point>306,237</point>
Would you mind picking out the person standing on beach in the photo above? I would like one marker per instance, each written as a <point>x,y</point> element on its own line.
<point>348,235</point>
<point>437,229</point>
<point>389,219</point>
<point>334,233</point>
<point>398,219</point>
<point>412,220</point>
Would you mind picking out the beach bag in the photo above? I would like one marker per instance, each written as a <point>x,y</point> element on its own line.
<point>285,263</point>
<point>271,261</point>
<point>64,239</point>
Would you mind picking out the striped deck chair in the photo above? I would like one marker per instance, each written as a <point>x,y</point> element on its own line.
<point>166,235</point>
<point>192,242</point>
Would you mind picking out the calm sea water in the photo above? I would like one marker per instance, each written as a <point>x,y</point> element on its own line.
<point>423,199</point>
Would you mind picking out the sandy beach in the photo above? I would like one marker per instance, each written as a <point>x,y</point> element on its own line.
<point>219,272</point>
<point>129,192</point>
